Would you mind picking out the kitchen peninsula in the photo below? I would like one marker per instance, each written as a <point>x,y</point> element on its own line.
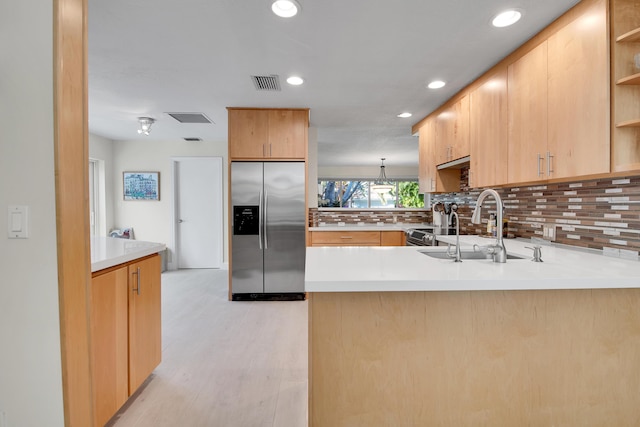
<point>400,338</point>
<point>125,319</point>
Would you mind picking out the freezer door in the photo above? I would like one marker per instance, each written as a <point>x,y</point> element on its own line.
<point>247,263</point>
<point>284,239</point>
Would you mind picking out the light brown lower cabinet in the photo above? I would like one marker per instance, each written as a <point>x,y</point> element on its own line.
<point>125,332</point>
<point>357,238</point>
<point>470,358</point>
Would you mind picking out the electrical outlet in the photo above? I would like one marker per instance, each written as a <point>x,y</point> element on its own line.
<point>549,232</point>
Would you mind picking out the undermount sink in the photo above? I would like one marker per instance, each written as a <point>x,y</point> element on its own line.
<point>467,255</point>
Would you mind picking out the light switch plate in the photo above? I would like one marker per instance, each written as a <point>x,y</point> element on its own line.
<point>18,222</point>
<point>549,232</point>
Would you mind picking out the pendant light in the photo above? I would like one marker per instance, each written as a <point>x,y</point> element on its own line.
<point>382,185</point>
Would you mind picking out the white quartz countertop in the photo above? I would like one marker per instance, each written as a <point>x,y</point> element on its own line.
<point>405,268</point>
<point>109,251</point>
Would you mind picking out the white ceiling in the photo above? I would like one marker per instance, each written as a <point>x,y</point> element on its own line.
<point>363,61</point>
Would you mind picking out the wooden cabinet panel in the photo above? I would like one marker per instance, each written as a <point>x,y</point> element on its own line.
<point>144,319</point>
<point>357,238</point>
<point>527,97</point>
<point>488,132</point>
<point>288,134</point>
<point>268,133</point>
<point>426,157</point>
<point>578,70</point>
<point>109,343</point>
<point>248,133</point>
<point>430,179</point>
<point>452,132</point>
<point>345,238</point>
<point>392,238</point>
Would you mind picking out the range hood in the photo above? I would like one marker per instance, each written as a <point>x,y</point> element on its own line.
<point>456,164</point>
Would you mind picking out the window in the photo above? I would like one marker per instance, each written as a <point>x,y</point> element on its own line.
<point>341,193</point>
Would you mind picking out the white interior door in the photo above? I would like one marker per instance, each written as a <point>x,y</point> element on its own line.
<point>199,210</point>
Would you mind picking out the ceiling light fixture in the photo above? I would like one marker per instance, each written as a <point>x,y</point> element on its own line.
<point>436,84</point>
<point>285,8</point>
<point>404,115</point>
<point>381,185</point>
<point>145,125</point>
<point>295,80</point>
<point>506,18</point>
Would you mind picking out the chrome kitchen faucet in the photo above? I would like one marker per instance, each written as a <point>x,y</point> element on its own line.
<point>497,250</point>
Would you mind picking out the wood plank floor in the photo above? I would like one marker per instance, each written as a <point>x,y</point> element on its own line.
<point>224,363</point>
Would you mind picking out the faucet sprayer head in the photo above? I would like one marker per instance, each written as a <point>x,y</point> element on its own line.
<point>477,213</point>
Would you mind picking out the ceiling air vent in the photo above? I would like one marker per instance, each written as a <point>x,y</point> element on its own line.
<point>190,117</point>
<point>192,139</point>
<point>270,83</point>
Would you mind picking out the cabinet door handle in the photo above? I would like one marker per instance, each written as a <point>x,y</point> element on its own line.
<point>270,151</point>
<point>137,288</point>
<point>549,164</point>
<point>540,158</point>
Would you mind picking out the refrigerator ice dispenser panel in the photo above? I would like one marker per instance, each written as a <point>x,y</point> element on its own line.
<point>246,220</point>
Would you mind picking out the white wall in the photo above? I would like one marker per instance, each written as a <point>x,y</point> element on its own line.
<point>367,172</point>
<point>151,220</point>
<point>30,364</point>
<point>102,149</point>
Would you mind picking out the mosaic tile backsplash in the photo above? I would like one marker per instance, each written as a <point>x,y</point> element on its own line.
<point>601,214</point>
<point>354,217</point>
<point>598,214</point>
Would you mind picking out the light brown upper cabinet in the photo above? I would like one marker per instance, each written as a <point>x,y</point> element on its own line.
<point>527,97</point>
<point>558,102</point>
<point>625,87</point>
<point>452,131</point>
<point>488,132</point>
<point>278,134</point>
<point>578,97</point>
<point>430,179</point>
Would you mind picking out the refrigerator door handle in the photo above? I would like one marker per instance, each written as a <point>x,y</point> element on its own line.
<point>266,219</point>
<point>260,213</point>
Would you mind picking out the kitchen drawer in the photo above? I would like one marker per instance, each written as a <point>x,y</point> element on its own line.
<point>392,238</point>
<point>345,238</point>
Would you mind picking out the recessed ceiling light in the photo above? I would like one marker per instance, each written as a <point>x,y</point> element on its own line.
<point>285,8</point>
<point>295,80</point>
<point>436,84</point>
<point>506,18</point>
<point>404,115</point>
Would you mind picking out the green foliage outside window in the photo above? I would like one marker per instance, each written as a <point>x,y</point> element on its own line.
<point>409,195</point>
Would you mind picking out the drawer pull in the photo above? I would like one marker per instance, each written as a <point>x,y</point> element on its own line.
<point>346,237</point>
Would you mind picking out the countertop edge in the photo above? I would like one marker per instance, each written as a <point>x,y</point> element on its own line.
<point>120,251</point>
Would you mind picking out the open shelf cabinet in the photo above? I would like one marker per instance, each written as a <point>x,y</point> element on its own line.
<point>625,87</point>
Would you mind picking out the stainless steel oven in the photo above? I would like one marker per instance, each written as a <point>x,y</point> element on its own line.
<point>421,237</point>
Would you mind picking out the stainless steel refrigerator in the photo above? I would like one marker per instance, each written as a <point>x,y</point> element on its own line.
<point>268,230</point>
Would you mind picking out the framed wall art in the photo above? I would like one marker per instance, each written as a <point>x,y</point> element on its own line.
<point>141,185</point>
